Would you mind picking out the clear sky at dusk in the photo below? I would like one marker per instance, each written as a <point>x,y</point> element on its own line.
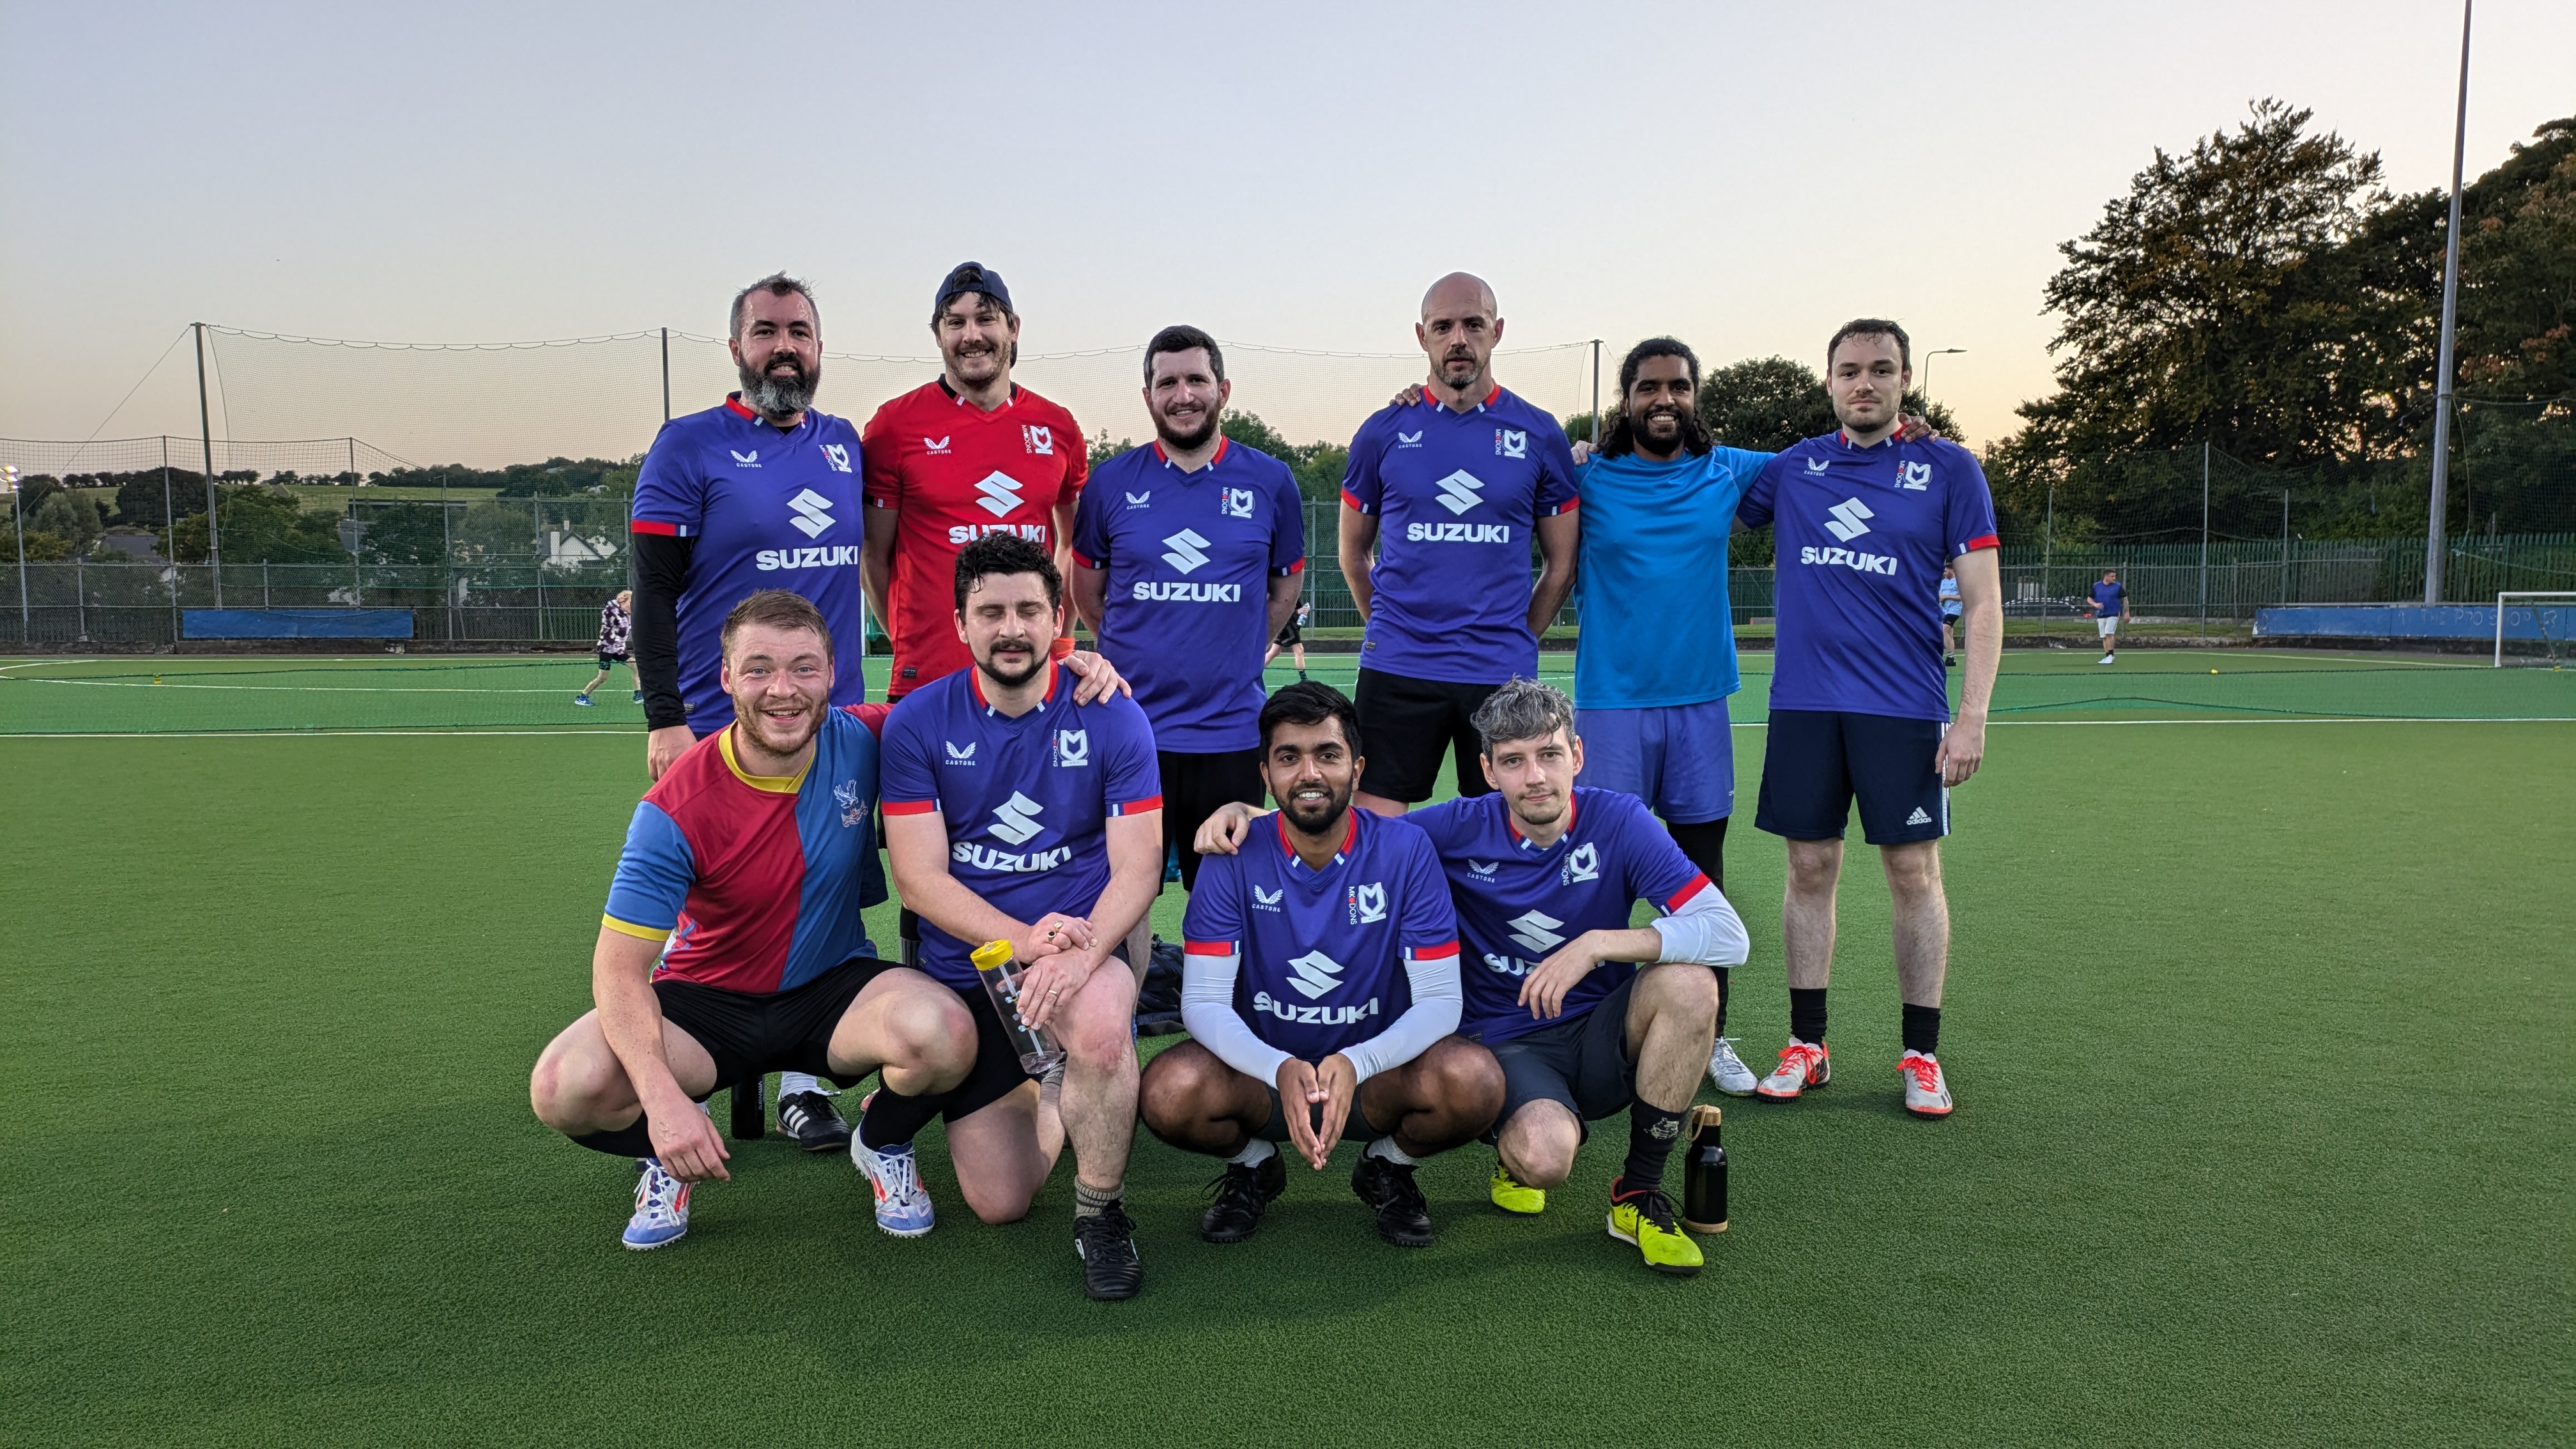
<point>1744,176</point>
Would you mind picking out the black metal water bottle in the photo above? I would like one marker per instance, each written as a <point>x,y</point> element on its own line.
<point>1704,1174</point>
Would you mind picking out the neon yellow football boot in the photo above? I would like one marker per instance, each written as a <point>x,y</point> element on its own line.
<point>1645,1218</point>
<point>1512,1196</point>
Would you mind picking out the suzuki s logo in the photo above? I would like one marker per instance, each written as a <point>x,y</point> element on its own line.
<point>1845,520</point>
<point>1460,491</point>
<point>1187,550</point>
<point>746,460</point>
<point>1918,476</point>
<point>1263,900</point>
<point>1368,904</point>
<point>1237,503</point>
<point>933,445</point>
<point>1317,974</point>
<point>1001,493</point>
<point>1511,442</point>
<point>1015,820</point>
<point>1408,440</point>
<point>837,456</point>
<point>1818,465</point>
<point>813,512</point>
<point>1073,748</point>
<point>957,756</point>
<point>1536,933</point>
<point>1041,440</point>
<point>1141,500</point>
<point>1583,864</point>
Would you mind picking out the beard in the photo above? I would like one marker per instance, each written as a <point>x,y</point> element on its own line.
<point>1181,442</point>
<point>1038,659</point>
<point>774,397</point>
<point>1316,817</point>
<point>779,739</point>
<point>1461,370</point>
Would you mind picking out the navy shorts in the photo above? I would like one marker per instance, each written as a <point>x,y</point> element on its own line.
<point>1817,761</point>
<point>1678,758</point>
<point>1581,1061</point>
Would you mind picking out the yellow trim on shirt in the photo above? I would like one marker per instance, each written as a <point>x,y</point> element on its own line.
<point>774,784</point>
<point>629,928</point>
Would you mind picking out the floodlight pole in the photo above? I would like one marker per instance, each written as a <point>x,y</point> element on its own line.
<point>2204,538</point>
<point>18,515</point>
<point>206,435</point>
<point>2433,549</point>
<point>1596,394</point>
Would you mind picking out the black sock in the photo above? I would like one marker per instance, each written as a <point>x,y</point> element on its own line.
<point>1922,1029</point>
<point>1704,845</point>
<point>1725,988</point>
<point>1807,1013</point>
<point>635,1139</point>
<point>1652,1131</point>
<point>893,1119</point>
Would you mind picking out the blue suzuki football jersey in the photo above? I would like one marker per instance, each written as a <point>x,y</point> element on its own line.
<point>1654,570</point>
<point>1457,496</point>
<point>1189,558</point>
<point>1863,534</point>
<point>1518,902</point>
<point>1323,951</point>
<point>1027,801</point>
<point>769,510</point>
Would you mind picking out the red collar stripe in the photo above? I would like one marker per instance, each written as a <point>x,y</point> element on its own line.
<point>733,405</point>
<point>975,682</point>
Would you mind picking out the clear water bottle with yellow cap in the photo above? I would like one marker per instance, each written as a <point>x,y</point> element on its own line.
<point>1001,976</point>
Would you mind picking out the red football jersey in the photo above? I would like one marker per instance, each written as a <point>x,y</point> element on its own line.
<point>957,473</point>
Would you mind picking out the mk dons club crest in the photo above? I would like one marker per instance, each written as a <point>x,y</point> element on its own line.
<point>1073,748</point>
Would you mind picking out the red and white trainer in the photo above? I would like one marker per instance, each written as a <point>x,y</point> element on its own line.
<point>1803,1064</point>
<point>1926,1093</point>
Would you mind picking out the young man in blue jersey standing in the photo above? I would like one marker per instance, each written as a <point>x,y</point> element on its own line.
<point>1187,556</point>
<point>1334,928</point>
<point>732,944</point>
<point>1860,708</point>
<point>1586,1016</point>
<point>1448,493</point>
<point>1014,812</point>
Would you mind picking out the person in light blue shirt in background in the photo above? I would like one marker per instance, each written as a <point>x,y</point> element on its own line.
<point>1950,610</point>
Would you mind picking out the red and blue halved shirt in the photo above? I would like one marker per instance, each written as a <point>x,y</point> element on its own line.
<point>1190,557</point>
<point>769,510</point>
<point>1325,952</point>
<point>1862,537</point>
<point>1458,496</point>
<point>755,883</point>
<point>1519,901</point>
<point>1026,801</point>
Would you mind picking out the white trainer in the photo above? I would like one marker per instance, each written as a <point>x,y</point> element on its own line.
<point>2105,659</point>
<point>903,1204</point>
<point>1728,1071</point>
<point>661,1209</point>
<point>1803,1064</point>
<point>1927,1094</point>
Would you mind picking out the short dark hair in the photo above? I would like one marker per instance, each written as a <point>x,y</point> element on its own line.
<point>775,609</point>
<point>776,284</point>
<point>1872,327</point>
<point>1006,553</point>
<point>1621,437</point>
<point>1522,709</point>
<point>1181,337</point>
<point>1310,702</point>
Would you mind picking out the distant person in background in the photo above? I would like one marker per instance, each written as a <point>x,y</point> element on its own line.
<point>1950,608</point>
<point>2110,611</point>
<point>616,627</point>
<point>1292,635</point>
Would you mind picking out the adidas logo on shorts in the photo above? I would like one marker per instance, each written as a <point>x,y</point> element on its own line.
<point>1918,817</point>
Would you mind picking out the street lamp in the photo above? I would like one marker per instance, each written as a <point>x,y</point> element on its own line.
<point>18,516</point>
<point>1927,372</point>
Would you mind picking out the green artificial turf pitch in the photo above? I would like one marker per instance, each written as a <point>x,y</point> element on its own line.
<point>2260,1035</point>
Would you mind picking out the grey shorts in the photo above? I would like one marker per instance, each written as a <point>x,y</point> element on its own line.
<point>1581,1062</point>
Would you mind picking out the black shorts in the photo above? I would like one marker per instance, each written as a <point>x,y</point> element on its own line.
<point>751,1034</point>
<point>1291,634</point>
<point>1195,786</point>
<point>1406,723</point>
<point>996,1073</point>
<point>1816,761</point>
<point>1582,1063</point>
<point>609,661</point>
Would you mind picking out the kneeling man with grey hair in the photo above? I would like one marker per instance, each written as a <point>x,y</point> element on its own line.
<point>1586,1016</point>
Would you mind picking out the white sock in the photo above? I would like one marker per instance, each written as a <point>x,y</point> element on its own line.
<point>1254,1153</point>
<point>790,1083</point>
<point>1385,1147</point>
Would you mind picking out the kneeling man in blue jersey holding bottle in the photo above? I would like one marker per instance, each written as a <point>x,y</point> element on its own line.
<point>1321,992</point>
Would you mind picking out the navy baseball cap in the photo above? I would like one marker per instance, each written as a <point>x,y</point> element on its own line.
<point>971,277</point>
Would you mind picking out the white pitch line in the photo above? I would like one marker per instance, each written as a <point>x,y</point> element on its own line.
<point>285,688</point>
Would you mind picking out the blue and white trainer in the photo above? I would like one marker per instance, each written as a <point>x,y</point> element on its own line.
<point>661,1209</point>
<point>903,1204</point>
<point>1728,1071</point>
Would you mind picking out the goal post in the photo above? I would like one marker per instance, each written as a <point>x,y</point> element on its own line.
<point>2550,619</point>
